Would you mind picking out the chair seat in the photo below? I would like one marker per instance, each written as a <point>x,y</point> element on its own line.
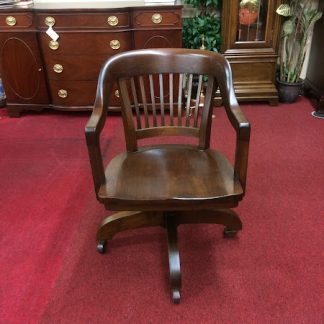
<point>169,177</point>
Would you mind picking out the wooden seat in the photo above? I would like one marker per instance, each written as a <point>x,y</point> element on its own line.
<point>168,92</point>
<point>129,179</point>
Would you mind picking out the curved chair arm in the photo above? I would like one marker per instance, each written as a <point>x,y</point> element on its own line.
<point>93,129</point>
<point>242,128</point>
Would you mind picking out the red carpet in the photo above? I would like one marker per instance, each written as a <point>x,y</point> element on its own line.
<point>50,271</point>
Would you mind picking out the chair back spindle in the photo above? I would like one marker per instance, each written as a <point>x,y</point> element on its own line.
<point>164,104</point>
<point>166,96</point>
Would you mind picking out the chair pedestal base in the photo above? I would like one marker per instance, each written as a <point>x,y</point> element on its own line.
<point>122,221</point>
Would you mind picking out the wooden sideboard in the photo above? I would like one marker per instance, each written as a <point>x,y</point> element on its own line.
<point>38,72</point>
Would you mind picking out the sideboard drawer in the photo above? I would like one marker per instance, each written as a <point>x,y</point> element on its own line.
<point>91,43</point>
<point>73,93</point>
<point>78,93</point>
<point>157,19</point>
<point>107,20</point>
<point>16,20</point>
<point>78,67</point>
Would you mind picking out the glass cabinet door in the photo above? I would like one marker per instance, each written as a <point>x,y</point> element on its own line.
<point>249,24</point>
<point>252,20</point>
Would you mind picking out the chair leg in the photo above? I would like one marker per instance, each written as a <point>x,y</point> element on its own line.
<point>226,217</point>
<point>123,221</point>
<point>174,257</point>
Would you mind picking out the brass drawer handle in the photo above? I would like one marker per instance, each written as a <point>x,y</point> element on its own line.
<point>117,94</point>
<point>157,18</point>
<point>112,21</point>
<point>58,68</point>
<point>11,21</point>
<point>62,93</point>
<point>115,44</point>
<point>53,45</point>
<point>49,21</point>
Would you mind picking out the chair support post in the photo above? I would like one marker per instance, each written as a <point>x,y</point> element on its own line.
<point>171,225</point>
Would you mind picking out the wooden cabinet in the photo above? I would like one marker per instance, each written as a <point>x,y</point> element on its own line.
<point>250,36</point>
<point>39,72</point>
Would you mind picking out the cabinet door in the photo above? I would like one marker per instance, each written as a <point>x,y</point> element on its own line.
<point>21,69</point>
<point>157,27</point>
<point>157,39</point>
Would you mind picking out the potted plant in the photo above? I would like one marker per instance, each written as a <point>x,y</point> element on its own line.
<point>295,36</point>
<point>203,28</point>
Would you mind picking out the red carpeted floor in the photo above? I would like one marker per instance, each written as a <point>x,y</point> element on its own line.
<point>50,271</point>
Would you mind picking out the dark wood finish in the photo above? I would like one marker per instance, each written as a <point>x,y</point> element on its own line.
<point>143,19</point>
<point>94,43</point>
<point>167,184</point>
<point>314,83</point>
<point>20,56</point>
<point>23,20</point>
<point>157,39</point>
<point>87,20</point>
<point>174,257</point>
<point>85,42</point>
<point>253,62</point>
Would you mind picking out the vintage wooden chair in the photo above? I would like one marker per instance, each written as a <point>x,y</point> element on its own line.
<point>167,184</point>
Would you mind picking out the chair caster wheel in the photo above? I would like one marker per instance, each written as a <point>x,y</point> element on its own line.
<point>176,296</point>
<point>229,233</point>
<point>101,246</point>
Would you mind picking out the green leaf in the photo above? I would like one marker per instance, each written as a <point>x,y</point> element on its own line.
<point>284,10</point>
<point>288,27</point>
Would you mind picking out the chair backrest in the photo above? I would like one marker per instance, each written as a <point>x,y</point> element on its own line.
<point>160,91</point>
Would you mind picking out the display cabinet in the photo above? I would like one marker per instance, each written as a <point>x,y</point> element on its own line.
<point>250,36</point>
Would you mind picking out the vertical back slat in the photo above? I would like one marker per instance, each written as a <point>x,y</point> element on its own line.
<point>127,113</point>
<point>161,99</point>
<point>195,124</point>
<point>180,99</point>
<point>143,95</point>
<point>189,87</point>
<point>171,97</point>
<point>153,99</point>
<point>137,109</point>
<point>206,119</point>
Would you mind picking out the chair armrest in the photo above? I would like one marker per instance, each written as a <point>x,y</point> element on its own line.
<point>242,128</point>
<point>93,129</point>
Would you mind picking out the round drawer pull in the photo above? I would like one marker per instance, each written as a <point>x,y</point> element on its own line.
<point>53,45</point>
<point>62,93</point>
<point>112,21</point>
<point>117,94</point>
<point>157,18</point>
<point>49,21</point>
<point>11,21</point>
<point>115,44</point>
<point>58,68</point>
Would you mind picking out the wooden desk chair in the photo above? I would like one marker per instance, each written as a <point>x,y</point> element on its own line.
<point>168,184</point>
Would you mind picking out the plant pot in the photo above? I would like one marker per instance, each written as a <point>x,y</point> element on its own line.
<point>289,92</point>
<point>247,17</point>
